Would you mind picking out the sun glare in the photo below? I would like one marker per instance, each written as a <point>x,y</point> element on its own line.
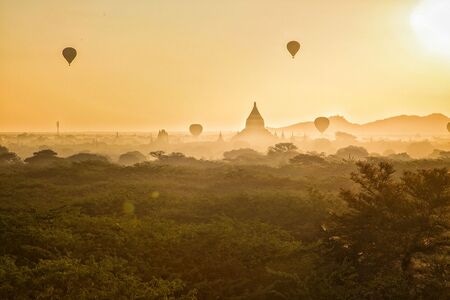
<point>431,22</point>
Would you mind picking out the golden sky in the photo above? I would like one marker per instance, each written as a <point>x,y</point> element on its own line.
<point>150,64</point>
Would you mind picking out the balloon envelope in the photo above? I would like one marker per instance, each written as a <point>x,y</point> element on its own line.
<point>322,124</point>
<point>293,47</point>
<point>69,54</point>
<point>196,129</point>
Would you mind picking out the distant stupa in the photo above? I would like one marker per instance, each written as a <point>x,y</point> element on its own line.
<point>254,130</point>
<point>220,138</point>
<point>163,137</point>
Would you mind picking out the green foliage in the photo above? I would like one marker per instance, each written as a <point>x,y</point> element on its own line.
<point>68,278</point>
<point>395,231</point>
<point>307,159</point>
<point>178,228</point>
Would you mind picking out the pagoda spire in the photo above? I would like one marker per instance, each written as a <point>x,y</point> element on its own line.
<point>254,120</point>
<point>220,138</point>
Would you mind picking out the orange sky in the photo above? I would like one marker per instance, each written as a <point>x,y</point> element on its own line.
<point>148,64</point>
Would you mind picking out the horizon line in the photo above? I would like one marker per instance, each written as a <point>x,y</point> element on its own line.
<point>218,130</point>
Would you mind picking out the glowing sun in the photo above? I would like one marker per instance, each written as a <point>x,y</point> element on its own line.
<point>431,22</point>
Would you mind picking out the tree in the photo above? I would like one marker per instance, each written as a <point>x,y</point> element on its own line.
<point>352,152</point>
<point>131,158</point>
<point>282,148</point>
<point>43,157</point>
<point>395,230</point>
<point>3,149</point>
<point>176,155</point>
<point>45,153</point>
<point>159,155</point>
<point>307,159</point>
<point>7,157</point>
<point>244,155</point>
<point>68,278</point>
<point>88,157</point>
<point>281,153</point>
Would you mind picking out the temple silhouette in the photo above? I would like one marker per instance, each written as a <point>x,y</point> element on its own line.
<point>254,131</point>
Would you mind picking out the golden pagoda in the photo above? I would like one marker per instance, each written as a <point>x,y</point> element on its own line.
<point>254,131</point>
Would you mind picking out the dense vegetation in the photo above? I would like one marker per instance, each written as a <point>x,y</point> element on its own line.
<point>306,227</point>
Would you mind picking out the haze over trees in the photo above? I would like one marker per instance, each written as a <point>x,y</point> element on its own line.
<point>280,224</point>
<point>209,216</point>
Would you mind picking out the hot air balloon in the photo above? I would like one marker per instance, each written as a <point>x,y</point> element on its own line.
<point>196,129</point>
<point>69,54</point>
<point>293,47</point>
<point>448,126</point>
<point>322,124</point>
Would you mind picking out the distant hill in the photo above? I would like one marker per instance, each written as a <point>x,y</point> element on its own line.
<point>404,125</point>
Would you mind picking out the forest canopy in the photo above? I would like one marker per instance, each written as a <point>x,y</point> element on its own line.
<point>314,227</point>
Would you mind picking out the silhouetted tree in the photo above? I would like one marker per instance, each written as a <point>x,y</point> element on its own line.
<point>281,153</point>
<point>131,158</point>
<point>159,155</point>
<point>281,148</point>
<point>45,153</point>
<point>3,149</point>
<point>7,157</point>
<point>395,231</point>
<point>43,157</point>
<point>352,153</point>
